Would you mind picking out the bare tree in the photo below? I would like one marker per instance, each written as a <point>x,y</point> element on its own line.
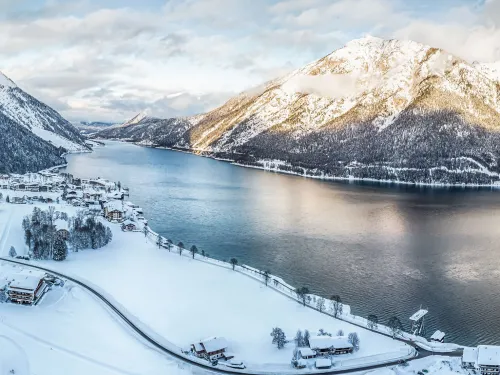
<point>372,321</point>
<point>234,262</point>
<point>170,244</point>
<point>266,275</point>
<point>159,241</point>
<point>320,304</point>
<point>340,333</point>
<point>395,325</point>
<point>180,246</point>
<point>302,294</point>
<point>354,340</point>
<point>336,305</point>
<point>193,250</point>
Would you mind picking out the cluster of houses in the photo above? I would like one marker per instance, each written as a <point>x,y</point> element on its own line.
<point>321,348</point>
<point>484,358</point>
<point>33,182</point>
<point>24,287</point>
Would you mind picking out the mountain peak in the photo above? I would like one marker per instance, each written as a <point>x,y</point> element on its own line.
<point>6,81</point>
<point>136,119</point>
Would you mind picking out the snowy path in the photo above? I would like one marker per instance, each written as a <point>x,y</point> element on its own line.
<point>171,351</point>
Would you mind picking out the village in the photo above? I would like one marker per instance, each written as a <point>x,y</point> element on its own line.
<point>317,350</point>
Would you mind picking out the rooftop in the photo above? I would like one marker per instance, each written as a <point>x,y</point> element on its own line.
<point>488,355</point>
<point>327,342</point>
<point>438,335</point>
<point>214,344</point>
<point>469,355</point>
<point>418,315</point>
<point>25,282</point>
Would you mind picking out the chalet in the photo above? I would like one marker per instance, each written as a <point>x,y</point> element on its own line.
<point>438,336</point>
<point>45,188</point>
<point>323,363</point>
<point>113,211</point>
<point>211,348</point>
<point>129,225</point>
<point>307,353</point>
<point>19,186</point>
<point>33,187</point>
<point>469,358</point>
<point>488,359</point>
<point>26,287</point>
<point>330,345</point>
<point>17,200</point>
<point>62,228</point>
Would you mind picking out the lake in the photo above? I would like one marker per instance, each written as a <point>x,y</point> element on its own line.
<point>386,250</point>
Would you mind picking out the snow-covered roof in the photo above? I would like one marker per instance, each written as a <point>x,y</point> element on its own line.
<point>306,352</point>
<point>31,272</point>
<point>418,315</point>
<point>469,355</point>
<point>438,335</point>
<point>488,355</point>
<point>24,282</point>
<point>61,224</point>
<point>198,348</point>
<point>214,344</point>
<point>128,222</point>
<point>327,342</point>
<point>323,362</point>
<point>114,205</point>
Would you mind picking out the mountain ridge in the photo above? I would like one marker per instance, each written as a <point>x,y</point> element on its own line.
<point>374,109</point>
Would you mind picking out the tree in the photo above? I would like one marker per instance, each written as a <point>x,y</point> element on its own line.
<point>279,337</point>
<point>372,321</point>
<point>320,304</point>
<point>3,294</point>
<point>159,241</point>
<point>170,244</point>
<point>1,196</point>
<point>109,235</point>
<point>180,246</point>
<point>302,294</point>
<point>266,275</point>
<point>336,305</point>
<point>60,249</point>
<point>395,325</point>
<point>119,185</point>
<point>193,250</point>
<point>7,199</point>
<point>354,340</point>
<point>299,339</point>
<point>340,333</point>
<point>145,230</point>
<point>234,262</point>
<point>27,238</point>
<point>322,332</point>
<point>12,252</point>
<point>307,336</point>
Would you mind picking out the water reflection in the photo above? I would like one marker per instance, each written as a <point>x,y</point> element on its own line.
<point>384,250</point>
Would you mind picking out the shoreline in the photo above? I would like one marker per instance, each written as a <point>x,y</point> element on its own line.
<point>323,177</point>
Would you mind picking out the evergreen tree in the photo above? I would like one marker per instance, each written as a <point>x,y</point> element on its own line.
<point>3,294</point>
<point>299,339</point>
<point>60,249</point>
<point>266,275</point>
<point>340,333</point>
<point>170,244</point>
<point>1,196</point>
<point>193,250</point>
<point>12,252</point>
<point>302,294</point>
<point>7,199</point>
<point>307,336</point>
<point>180,246</point>
<point>279,337</point>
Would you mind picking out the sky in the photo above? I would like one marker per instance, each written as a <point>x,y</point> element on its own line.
<point>107,60</point>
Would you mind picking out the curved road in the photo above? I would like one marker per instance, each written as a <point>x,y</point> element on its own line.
<point>420,354</point>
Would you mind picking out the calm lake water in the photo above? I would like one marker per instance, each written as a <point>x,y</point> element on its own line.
<point>384,250</point>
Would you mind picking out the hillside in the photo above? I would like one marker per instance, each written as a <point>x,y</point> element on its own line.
<point>37,117</point>
<point>374,109</point>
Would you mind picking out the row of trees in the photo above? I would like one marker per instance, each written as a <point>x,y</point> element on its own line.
<point>302,339</point>
<point>87,232</point>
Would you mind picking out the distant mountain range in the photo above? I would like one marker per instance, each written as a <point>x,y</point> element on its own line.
<point>91,127</point>
<point>374,109</point>
<point>33,136</point>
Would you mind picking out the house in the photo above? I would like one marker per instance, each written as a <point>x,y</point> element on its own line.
<point>34,187</point>
<point>330,345</point>
<point>469,358</point>
<point>307,353</point>
<point>62,228</point>
<point>488,359</point>
<point>211,348</point>
<point>129,225</point>
<point>45,188</point>
<point>323,363</point>
<point>198,350</point>
<point>27,287</point>
<point>438,336</point>
<point>17,200</point>
<point>113,211</point>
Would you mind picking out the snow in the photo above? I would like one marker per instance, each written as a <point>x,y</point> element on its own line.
<point>438,335</point>
<point>13,359</point>
<point>214,344</point>
<point>326,342</point>
<point>323,363</point>
<point>6,82</point>
<point>61,224</point>
<point>306,352</point>
<point>418,315</point>
<point>488,355</point>
<point>20,281</point>
<point>469,355</point>
<point>128,267</point>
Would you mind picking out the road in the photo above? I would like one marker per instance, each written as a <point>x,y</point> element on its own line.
<point>420,354</point>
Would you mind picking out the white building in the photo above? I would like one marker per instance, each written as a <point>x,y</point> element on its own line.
<point>27,286</point>
<point>438,336</point>
<point>488,359</point>
<point>469,358</point>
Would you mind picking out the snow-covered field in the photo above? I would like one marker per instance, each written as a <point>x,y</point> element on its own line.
<point>186,300</point>
<point>434,365</point>
<point>69,332</point>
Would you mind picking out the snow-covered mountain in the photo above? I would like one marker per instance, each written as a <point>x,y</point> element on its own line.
<point>37,117</point>
<point>381,109</point>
